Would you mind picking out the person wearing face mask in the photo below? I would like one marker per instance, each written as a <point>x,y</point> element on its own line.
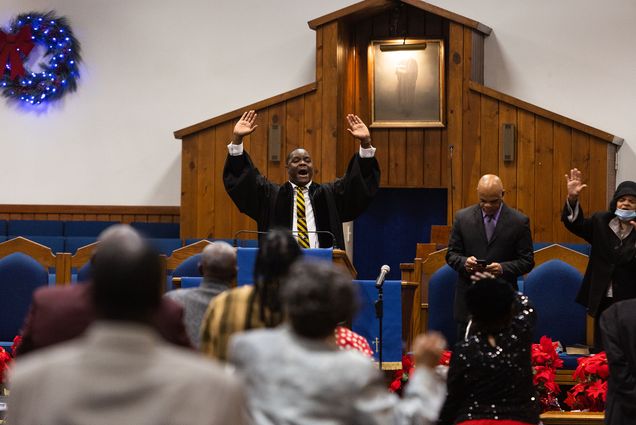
<point>310,210</point>
<point>611,270</point>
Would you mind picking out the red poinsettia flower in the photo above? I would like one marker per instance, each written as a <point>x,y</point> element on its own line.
<point>16,343</point>
<point>445,358</point>
<point>591,391</point>
<point>5,361</point>
<point>402,376</point>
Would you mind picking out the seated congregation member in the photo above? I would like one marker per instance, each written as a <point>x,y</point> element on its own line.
<point>61,313</point>
<point>296,374</point>
<point>490,374</point>
<point>618,325</point>
<point>121,371</point>
<point>218,267</point>
<point>302,205</point>
<point>611,270</point>
<point>251,306</point>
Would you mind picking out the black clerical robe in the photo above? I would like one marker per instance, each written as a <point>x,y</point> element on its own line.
<point>271,205</point>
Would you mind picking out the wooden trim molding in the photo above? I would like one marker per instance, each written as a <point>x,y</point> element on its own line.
<point>487,91</point>
<point>368,7</point>
<point>118,213</point>
<point>300,91</point>
<point>88,209</point>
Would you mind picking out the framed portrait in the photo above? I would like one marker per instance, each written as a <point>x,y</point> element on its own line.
<point>407,83</point>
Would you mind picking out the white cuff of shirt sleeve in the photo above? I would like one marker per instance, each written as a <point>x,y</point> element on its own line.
<point>367,152</point>
<point>574,213</point>
<point>235,150</point>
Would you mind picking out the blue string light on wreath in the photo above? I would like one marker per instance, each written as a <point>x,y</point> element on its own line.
<point>58,70</point>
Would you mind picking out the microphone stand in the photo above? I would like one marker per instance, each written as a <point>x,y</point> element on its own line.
<point>379,313</point>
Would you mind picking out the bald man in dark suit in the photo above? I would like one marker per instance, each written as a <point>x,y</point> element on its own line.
<point>491,237</point>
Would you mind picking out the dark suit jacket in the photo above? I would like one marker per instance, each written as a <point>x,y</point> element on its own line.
<point>618,324</point>
<point>610,259</point>
<point>510,245</point>
<point>271,205</point>
<point>59,314</point>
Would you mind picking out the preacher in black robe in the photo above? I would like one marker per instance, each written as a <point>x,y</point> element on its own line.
<point>272,205</point>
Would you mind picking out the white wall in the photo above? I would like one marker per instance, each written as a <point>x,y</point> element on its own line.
<point>153,67</point>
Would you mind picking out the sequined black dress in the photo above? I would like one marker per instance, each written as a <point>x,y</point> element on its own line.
<point>486,382</point>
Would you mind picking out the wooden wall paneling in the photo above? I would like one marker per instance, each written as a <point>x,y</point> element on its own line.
<point>362,37</point>
<point>153,218</point>
<point>57,217</point>
<point>381,142</point>
<point>543,223</point>
<point>477,64</point>
<point>508,170</point>
<point>129,218</point>
<point>612,168</point>
<point>471,148</point>
<point>597,182</point>
<point>276,170</point>
<point>331,107</point>
<point>416,22</point>
<point>526,193</point>
<point>434,25</point>
<point>397,157</point>
<point>562,164</point>
<point>435,158</point>
<point>41,216</point>
<point>293,126</point>
<point>28,216</point>
<point>471,130</point>
<point>347,69</point>
<point>415,165</point>
<point>204,209</point>
<point>189,187</point>
<point>312,131</point>
<point>454,115</point>
<point>90,217</point>
<point>489,136</point>
<point>256,143</point>
<point>219,223</point>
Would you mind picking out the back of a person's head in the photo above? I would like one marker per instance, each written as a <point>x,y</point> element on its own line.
<point>126,276</point>
<point>489,303</point>
<point>277,252</point>
<point>218,261</point>
<point>317,296</point>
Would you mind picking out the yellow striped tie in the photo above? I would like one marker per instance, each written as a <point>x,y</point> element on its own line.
<point>303,236</point>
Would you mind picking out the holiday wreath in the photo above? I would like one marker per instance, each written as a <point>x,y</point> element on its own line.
<point>54,75</point>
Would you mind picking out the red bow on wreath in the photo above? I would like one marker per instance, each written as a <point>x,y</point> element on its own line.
<point>11,46</point>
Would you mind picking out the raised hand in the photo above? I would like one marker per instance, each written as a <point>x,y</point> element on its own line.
<point>244,126</point>
<point>427,349</point>
<point>575,184</point>
<point>359,130</point>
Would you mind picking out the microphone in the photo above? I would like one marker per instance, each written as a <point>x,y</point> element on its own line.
<point>384,270</point>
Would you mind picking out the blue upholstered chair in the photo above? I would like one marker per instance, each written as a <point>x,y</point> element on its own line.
<point>86,228</point>
<point>439,281</point>
<point>80,263</point>
<point>165,246</point>
<point>24,266</point>
<point>3,228</point>
<point>157,230</point>
<point>35,227</point>
<point>56,243</point>
<point>73,243</point>
<point>552,287</point>
<point>184,262</point>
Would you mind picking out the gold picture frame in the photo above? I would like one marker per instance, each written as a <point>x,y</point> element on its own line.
<point>407,83</point>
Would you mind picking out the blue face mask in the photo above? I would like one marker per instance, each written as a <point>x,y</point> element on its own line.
<point>625,215</point>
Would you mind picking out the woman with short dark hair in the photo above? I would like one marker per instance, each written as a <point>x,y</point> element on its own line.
<point>296,374</point>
